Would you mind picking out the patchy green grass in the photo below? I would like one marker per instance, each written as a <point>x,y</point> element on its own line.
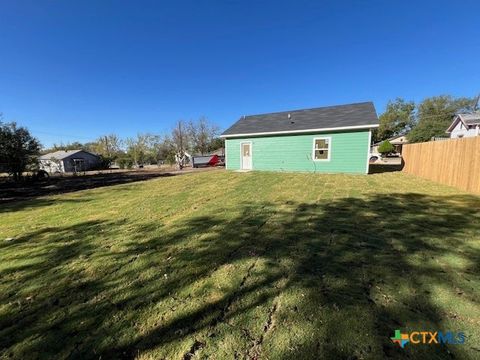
<point>225,265</point>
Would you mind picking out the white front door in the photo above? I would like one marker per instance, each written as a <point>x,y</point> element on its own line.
<point>246,151</point>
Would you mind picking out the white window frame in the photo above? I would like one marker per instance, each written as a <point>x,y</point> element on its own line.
<point>329,138</point>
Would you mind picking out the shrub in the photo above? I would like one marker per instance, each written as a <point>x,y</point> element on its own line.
<point>105,162</point>
<point>386,147</point>
<point>125,162</point>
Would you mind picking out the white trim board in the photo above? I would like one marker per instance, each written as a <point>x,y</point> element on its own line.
<point>303,131</point>
<point>368,150</point>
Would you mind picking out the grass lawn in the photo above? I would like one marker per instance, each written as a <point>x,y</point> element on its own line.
<point>224,265</point>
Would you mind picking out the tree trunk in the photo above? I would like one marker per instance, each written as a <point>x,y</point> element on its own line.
<point>17,176</point>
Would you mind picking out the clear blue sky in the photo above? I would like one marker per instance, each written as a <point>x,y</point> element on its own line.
<point>80,69</point>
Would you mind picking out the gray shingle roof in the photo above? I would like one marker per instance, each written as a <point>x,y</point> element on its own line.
<point>470,119</point>
<point>60,155</point>
<point>340,116</point>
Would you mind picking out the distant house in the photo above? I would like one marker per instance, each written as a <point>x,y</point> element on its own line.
<point>464,125</point>
<point>69,161</point>
<point>396,141</point>
<point>333,139</point>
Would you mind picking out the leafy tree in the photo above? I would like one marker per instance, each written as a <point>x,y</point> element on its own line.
<point>105,162</point>
<point>398,118</point>
<point>108,146</point>
<point>165,150</point>
<point>18,149</point>
<point>386,147</point>
<point>435,114</point>
<point>148,148</point>
<point>125,162</point>
<point>154,148</point>
<point>216,144</point>
<point>68,146</point>
<point>136,148</point>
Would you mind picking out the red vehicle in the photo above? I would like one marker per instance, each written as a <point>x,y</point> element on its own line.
<point>208,160</point>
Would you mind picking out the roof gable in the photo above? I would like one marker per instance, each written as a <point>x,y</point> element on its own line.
<point>350,116</point>
<point>454,124</point>
<point>466,119</point>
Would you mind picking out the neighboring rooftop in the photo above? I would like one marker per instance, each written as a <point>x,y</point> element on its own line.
<point>61,154</point>
<point>393,138</point>
<point>360,115</point>
<point>470,119</point>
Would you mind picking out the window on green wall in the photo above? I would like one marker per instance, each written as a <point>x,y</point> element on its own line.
<point>321,149</point>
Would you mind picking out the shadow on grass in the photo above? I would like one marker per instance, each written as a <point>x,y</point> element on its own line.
<point>13,196</point>
<point>37,203</point>
<point>381,168</point>
<point>361,268</point>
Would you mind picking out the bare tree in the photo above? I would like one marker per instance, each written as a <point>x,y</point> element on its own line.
<point>180,140</point>
<point>202,133</point>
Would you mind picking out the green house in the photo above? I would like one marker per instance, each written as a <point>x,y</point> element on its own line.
<point>333,139</point>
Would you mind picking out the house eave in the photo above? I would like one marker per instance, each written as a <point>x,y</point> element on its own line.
<point>454,123</point>
<point>356,127</point>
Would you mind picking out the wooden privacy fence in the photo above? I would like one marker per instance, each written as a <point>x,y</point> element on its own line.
<point>454,162</point>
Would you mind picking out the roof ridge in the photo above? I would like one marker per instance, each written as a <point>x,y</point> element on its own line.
<point>342,116</point>
<point>66,151</point>
<point>61,152</point>
<point>308,109</point>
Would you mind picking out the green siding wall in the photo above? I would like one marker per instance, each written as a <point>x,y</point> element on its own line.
<point>349,151</point>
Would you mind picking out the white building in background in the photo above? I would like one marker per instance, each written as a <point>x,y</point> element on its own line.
<point>69,161</point>
<point>396,141</point>
<point>465,125</point>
